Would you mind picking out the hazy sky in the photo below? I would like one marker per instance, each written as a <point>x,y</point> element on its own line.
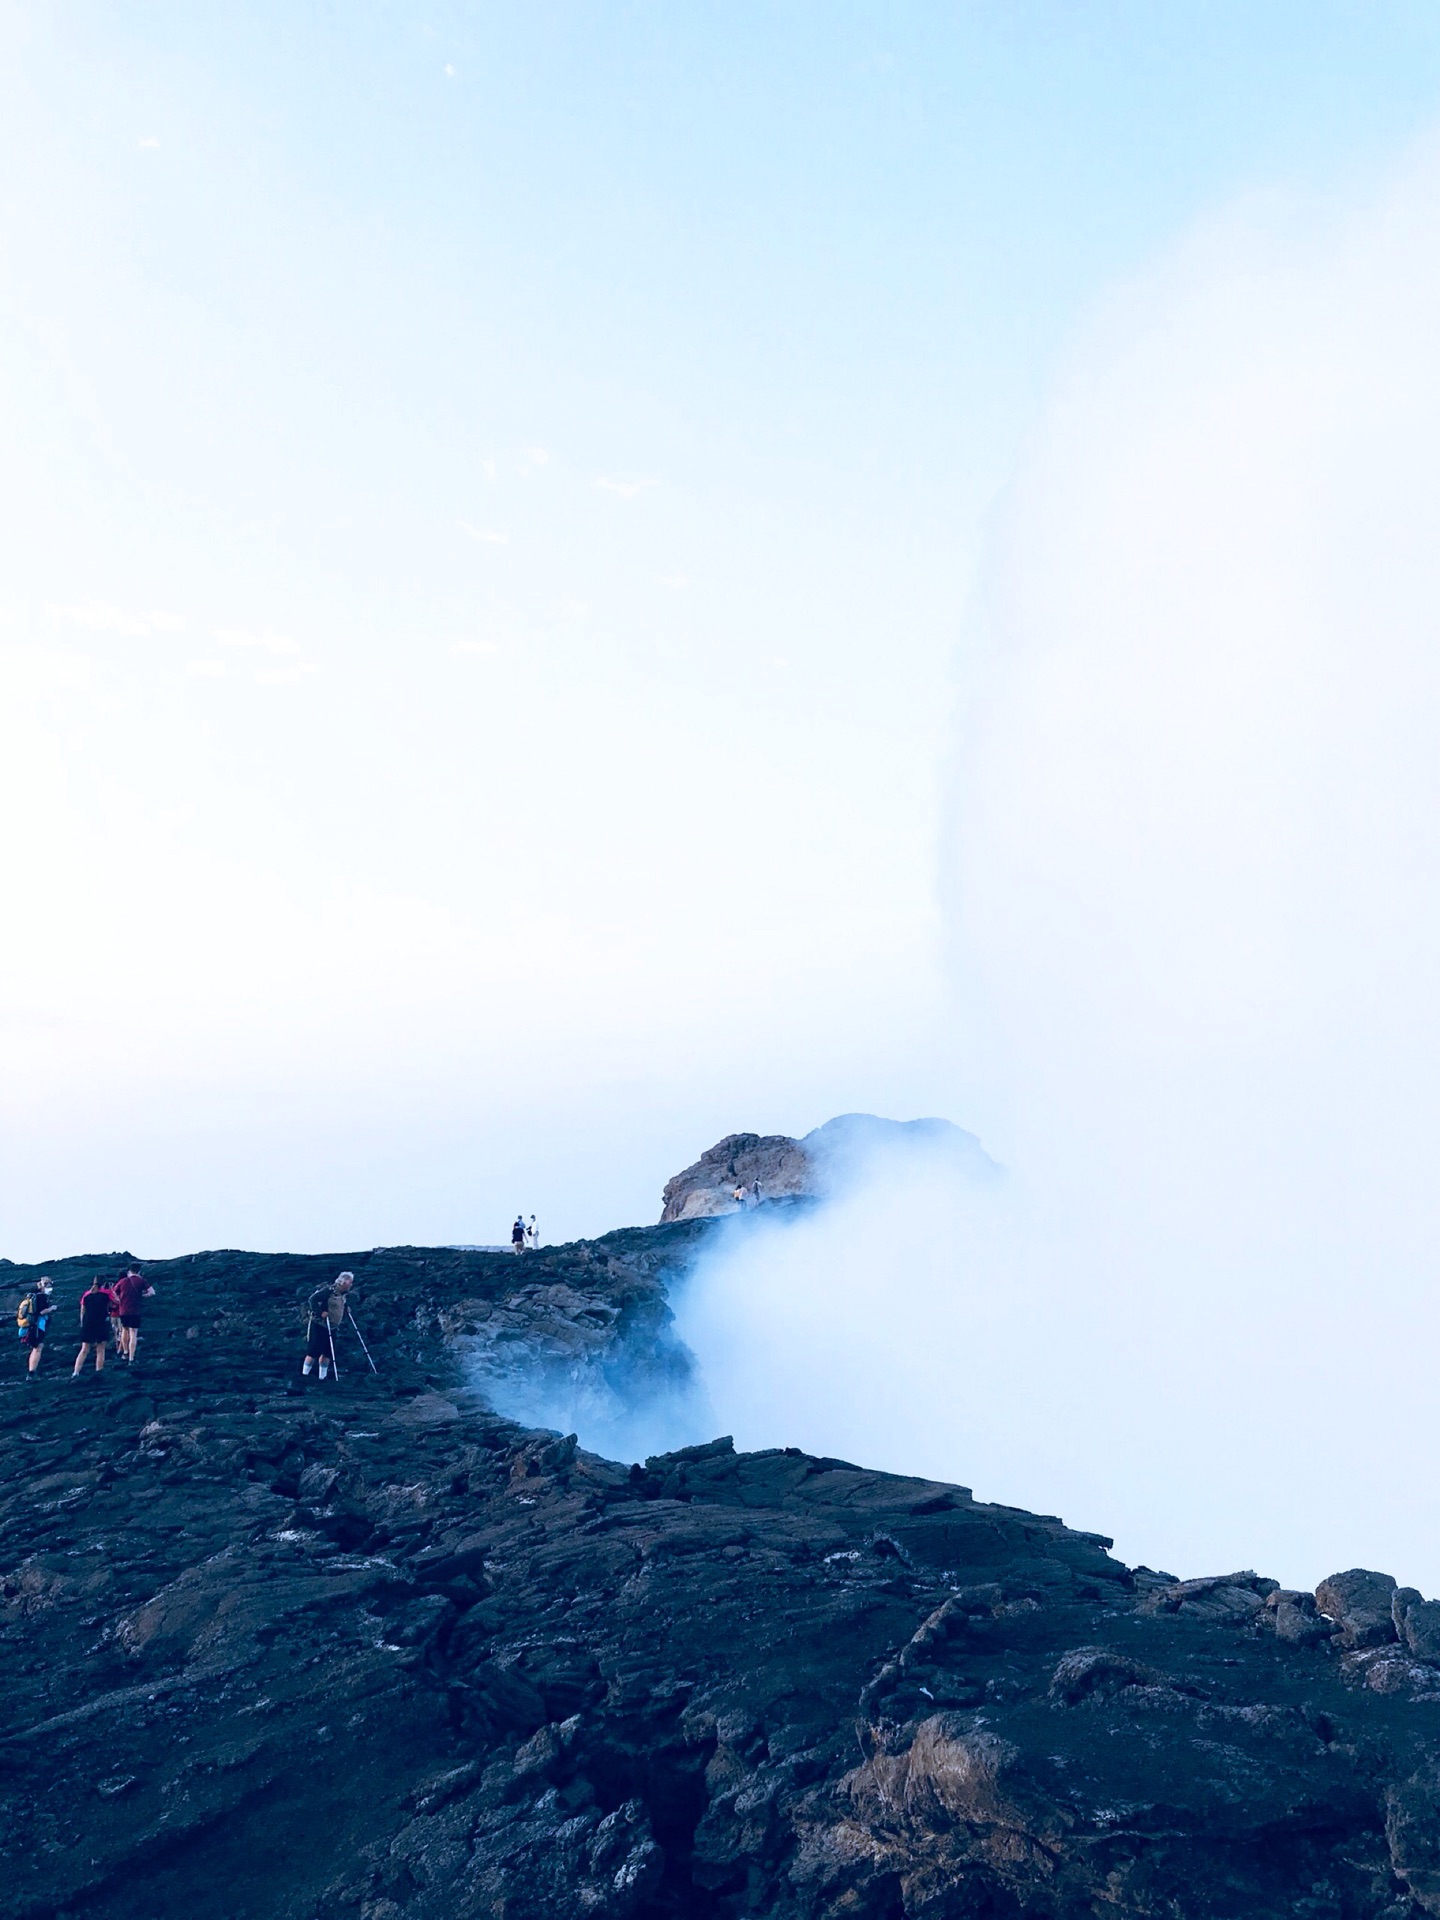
<point>497,505</point>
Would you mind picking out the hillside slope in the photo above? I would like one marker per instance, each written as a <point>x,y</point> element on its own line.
<point>277,1649</point>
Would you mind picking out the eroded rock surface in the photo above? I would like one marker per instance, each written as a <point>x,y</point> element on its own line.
<point>370,1650</point>
<point>753,1169</point>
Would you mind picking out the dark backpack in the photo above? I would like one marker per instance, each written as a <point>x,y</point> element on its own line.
<point>319,1301</point>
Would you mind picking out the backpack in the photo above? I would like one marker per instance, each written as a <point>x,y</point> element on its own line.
<point>33,1312</point>
<point>318,1305</point>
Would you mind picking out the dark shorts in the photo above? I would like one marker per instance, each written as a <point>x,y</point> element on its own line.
<point>317,1345</point>
<point>93,1334</point>
<point>33,1336</point>
<point>129,1319</point>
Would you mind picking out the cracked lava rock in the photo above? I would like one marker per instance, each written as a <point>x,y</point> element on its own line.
<point>278,1648</point>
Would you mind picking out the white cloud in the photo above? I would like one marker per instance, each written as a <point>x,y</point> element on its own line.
<point>627,487</point>
<point>534,457</point>
<point>98,616</point>
<point>285,676</point>
<point>1198,896</point>
<point>148,140</point>
<point>206,669</point>
<point>474,646</point>
<point>487,536</point>
<point>277,643</point>
<point>677,580</point>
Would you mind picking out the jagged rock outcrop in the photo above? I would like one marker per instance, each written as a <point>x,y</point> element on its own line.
<point>371,1650</point>
<point>751,1169</point>
<point>743,1168</point>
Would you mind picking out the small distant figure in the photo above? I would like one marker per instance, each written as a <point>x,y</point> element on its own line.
<point>30,1321</point>
<point>532,1235</point>
<point>98,1306</point>
<point>755,1194</point>
<point>130,1289</point>
<point>326,1307</point>
<point>737,1194</point>
<point>517,1234</point>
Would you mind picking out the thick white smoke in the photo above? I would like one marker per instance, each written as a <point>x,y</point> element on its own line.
<point>1196,910</point>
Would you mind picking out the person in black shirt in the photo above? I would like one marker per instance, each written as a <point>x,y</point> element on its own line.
<point>326,1308</point>
<point>97,1304</point>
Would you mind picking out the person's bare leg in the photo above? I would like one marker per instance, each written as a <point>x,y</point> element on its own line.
<point>80,1358</point>
<point>100,1357</point>
<point>34,1358</point>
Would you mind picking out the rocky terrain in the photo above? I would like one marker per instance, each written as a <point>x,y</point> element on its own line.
<point>278,1648</point>
<point>764,1167</point>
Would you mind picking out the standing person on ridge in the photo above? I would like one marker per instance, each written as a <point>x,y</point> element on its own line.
<point>130,1289</point>
<point>532,1235</point>
<point>517,1234</point>
<point>97,1304</point>
<point>30,1321</point>
<point>326,1307</point>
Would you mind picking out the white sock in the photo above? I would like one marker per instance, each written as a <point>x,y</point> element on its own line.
<point>309,1366</point>
<point>324,1369</point>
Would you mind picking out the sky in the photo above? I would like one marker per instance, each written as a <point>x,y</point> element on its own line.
<point>574,579</point>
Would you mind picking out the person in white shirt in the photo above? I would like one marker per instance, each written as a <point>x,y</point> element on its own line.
<point>532,1234</point>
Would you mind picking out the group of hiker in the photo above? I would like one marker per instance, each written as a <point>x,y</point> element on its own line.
<point>525,1234</point>
<point>107,1312</point>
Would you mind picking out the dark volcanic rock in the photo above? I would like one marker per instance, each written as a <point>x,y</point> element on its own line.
<point>273,1649</point>
<point>1362,1605</point>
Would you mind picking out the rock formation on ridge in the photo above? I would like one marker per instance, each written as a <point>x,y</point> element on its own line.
<point>772,1166</point>
<point>370,1650</point>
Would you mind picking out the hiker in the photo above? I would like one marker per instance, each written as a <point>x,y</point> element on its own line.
<point>532,1235</point>
<point>517,1234</point>
<point>326,1307</point>
<point>737,1194</point>
<point>30,1318</point>
<point>97,1304</point>
<point>130,1289</point>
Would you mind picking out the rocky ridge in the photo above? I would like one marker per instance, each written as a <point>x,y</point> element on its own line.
<point>370,1650</point>
<point>750,1169</point>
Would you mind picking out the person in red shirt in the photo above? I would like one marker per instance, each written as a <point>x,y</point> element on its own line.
<point>97,1303</point>
<point>129,1290</point>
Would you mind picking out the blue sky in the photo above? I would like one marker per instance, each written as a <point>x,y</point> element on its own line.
<point>490,502</point>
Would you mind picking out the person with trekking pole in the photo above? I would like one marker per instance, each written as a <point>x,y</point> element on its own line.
<point>30,1320</point>
<point>326,1308</point>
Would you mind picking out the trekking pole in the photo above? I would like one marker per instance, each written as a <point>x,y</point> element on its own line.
<point>361,1338</point>
<point>333,1361</point>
